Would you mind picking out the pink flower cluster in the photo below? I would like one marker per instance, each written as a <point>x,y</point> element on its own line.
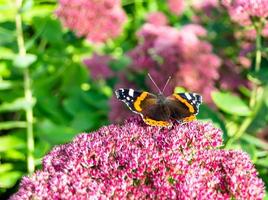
<point>246,13</point>
<point>136,161</point>
<point>230,75</point>
<point>176,6</point>
<point>98,66</point>
<point>157,18</point>
<point>96,20</point>
<point>205,6</point>
<point>241,11</point>
<point>164,51</point>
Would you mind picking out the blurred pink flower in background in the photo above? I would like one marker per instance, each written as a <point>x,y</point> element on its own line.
<point>241,11</point>
<point>204,5</point>
<point>255,8</point>
<point>98,66</point>
<point>165,51</point>
<point>243,57</point>
<point>250,34</point>
<point>157,18</point>
<point>96,20</point>
<point>176,6</point>
<point>237,12</point>
<point>136,161</point>
<point>230,75</point>
<point>118,111</point>
<point>265,30</point>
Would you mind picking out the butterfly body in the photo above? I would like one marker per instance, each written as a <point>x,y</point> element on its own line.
<point>158,110</point>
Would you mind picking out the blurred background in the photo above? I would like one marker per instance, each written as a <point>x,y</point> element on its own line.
<point>60,62</point>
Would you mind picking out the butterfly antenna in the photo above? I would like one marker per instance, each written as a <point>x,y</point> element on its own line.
<point>154,83</point>
<point>166,84</point>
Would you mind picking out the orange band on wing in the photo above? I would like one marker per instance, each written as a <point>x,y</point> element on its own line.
<point>188,119</point>
<point>153,122</point>
<point>184,101</point>
<point>138,101</point>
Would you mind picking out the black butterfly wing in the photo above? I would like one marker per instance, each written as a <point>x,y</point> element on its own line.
<point>145,104</point>
<point>184,106</point>
<point>132,98</point>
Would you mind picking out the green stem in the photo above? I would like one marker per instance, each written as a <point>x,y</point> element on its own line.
<point>258,48</point>
<point>138,9</point>
<point>258,29</point>
<point>257,93</point>
<point>27,92</point>
<point>152,5</point>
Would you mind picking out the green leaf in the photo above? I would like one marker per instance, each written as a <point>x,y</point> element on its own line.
<point>245,91</point>
<point>205,113</point>
<point>50,29</point>
<point>12,124</point>
<point>179,89</point>
<point>266,195</point>
<point>265,95</point>
<point>4,70</point>
<point>9,179</point>
<point>4,85</point>
<point>75,104</point>
<point>120,63</point>
<point>27,5</point>
<point>24,61</point>
<point>260,76</point>
<point>256,141</point>
<point>6,53</point>
<point>6,35</point>
<point>106,90</point>
<point>251,150</point>
<point>5,167</point>
<point>18,104</point>
<point>42,147</point>
<point>55,133</point>
<point>262,162</point>
<point>11,142</point>
<point>230,104</point>
<point>17,155</point>
<point>49,106</point>
<point>85,121</point>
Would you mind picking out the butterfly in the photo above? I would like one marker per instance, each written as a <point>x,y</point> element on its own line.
<point>158,110</point>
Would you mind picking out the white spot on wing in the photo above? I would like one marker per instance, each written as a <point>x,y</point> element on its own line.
<point>188,96</point>
<point>131,92</point>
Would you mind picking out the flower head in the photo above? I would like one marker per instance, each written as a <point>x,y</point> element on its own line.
<point>99,66</point>
<point>157,18</point>
<point>255,8</point>
<point>137,161</point>
<point>96,20</point>
<point>164,51</point>
<point>241,11</point>
<point>205,5</point>
<point>176,6</point>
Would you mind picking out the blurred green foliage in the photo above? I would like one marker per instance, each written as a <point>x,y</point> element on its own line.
<point>66,101</point>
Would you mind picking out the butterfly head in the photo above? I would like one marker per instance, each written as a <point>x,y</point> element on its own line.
<point>161,97</point>
<point>160,92</point>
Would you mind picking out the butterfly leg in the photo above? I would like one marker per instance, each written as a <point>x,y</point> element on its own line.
<point>181,121</point>
<point>186,119</point>
<point>160,128</point>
